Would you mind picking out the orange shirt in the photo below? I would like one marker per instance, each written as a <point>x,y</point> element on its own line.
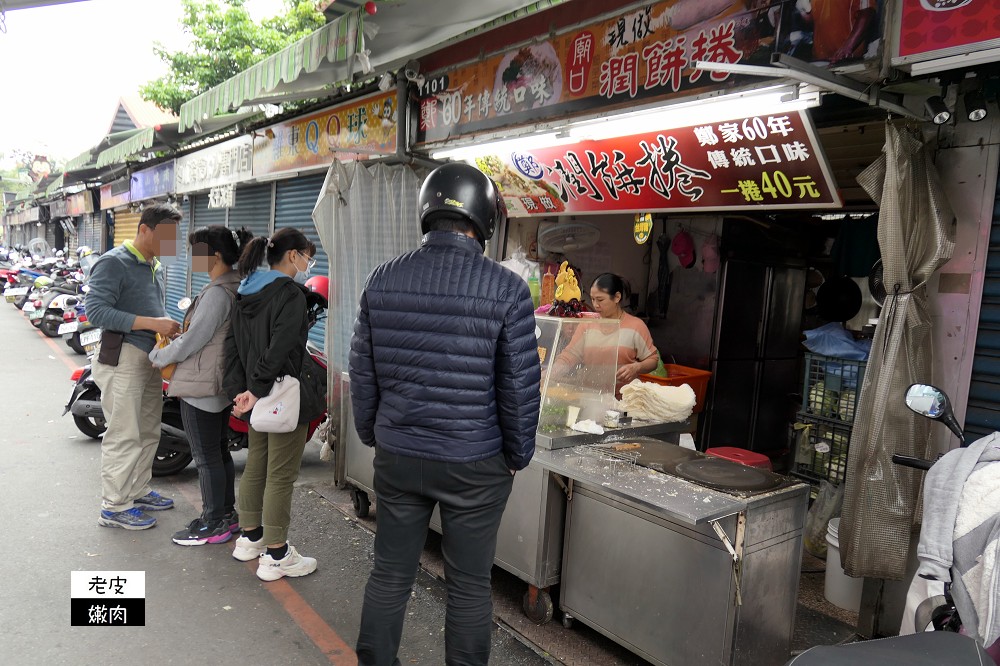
<point>833,21</point>
<point>590,344</point>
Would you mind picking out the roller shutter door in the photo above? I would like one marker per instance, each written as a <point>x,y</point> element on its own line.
<point>982,416</point>
<point>91,230</point>
<point>126,225</point>
<point>73,237</point>
<point>50,235</point>
<point>203,216</point>
<point>177,273</point>
<point>294,202</point>
<point>252,209</point>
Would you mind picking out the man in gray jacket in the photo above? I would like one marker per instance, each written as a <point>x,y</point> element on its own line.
<point>126,300</point>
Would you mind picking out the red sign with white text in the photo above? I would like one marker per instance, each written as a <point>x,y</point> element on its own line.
<point>767,161</point>
<point>934,28</point>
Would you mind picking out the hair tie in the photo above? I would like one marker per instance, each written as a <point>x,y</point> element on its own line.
<point>270,243</point>
<point>236,238</point>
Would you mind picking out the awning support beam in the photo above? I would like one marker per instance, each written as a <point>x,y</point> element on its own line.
<point>804,72</point>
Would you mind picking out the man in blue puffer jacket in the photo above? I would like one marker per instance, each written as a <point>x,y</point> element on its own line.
<point>445,385</point>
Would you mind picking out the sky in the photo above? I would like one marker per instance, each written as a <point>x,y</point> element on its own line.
<point>63,67</point>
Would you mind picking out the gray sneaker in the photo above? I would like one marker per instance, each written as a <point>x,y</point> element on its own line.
<point>154,501</point>
<point>132,519</point>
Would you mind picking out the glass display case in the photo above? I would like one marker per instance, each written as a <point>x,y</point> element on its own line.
<point>579,360</point>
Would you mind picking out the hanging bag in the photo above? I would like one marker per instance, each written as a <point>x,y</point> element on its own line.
<point>278,411</point>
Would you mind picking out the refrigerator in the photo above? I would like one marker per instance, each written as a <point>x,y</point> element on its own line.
<point>755,356</point>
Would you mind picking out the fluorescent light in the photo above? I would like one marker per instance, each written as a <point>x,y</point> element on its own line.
<point>729,107</point>
<point>529,142</point>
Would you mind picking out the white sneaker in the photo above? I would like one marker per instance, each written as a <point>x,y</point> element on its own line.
<point>292,564</point>
<point>247,550</point>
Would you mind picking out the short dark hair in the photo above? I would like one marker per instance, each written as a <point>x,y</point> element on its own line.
<point>451,222</point>
<point>154,214</point>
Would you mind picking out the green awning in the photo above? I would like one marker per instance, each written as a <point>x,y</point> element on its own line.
<point>54,185</point>
<point>80,160</point>
<point>337,43</point>
<point>135,145</point>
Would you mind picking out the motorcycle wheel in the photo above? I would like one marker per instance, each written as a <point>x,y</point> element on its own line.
<point>169,461</point>
<point>91,427</point>
<point>20,301</point>
<point>50,327</point>
<point>37,323</point>
<point>73,342</point>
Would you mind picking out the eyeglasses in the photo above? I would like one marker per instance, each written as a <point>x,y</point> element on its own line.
<point>310,262</point>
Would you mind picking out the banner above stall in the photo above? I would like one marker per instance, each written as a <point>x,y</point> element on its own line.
<point>153,182</point>
<point>946,34</point>
<point>222,164</point>
<point>357,130</point>
<point>644,55</point>
<point>770,162</point>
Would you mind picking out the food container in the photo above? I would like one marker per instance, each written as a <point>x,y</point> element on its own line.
<point>679,374</point>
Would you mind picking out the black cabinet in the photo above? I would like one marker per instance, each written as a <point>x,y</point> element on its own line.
<point>755,356</point>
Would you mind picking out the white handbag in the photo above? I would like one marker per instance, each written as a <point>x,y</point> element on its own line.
<point>278,411</point>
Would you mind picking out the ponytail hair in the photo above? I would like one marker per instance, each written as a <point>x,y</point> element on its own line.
<point>612,284</point>
<point>273,249</point>
<point>227,242</point>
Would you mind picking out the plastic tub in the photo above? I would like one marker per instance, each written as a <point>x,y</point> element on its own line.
<point>680,374</point>
<point>840,590</point>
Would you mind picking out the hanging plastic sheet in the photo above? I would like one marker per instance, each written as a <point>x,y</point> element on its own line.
<point>915,236</point>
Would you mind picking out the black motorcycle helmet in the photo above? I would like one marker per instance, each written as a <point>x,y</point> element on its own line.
<point>464,190</point>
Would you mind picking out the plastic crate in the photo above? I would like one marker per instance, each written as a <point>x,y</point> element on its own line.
<point>821,449</point>
<point>680,374</point>
<point>831,387</point>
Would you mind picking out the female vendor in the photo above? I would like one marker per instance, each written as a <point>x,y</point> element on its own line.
<point>636,352</point>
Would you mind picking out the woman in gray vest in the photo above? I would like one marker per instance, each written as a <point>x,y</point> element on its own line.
<point>199,353</point>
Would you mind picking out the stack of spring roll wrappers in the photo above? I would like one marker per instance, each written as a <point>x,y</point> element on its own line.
<point>655,402</point>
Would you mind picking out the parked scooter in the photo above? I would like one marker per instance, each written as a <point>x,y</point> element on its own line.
<point>943,645</point>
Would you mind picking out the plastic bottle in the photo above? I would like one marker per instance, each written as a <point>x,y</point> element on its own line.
<point>535,290</point>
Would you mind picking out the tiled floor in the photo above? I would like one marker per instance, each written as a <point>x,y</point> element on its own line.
<point>817,622</point>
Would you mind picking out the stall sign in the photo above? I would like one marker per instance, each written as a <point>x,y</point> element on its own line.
<point>228,162</point>
<point>112,197</point>
<point>930,29</point>
<point>364,127</point>
<point>222,196</point>
<point>642,228</point>
<point>58,208</point>
<point>33,214</point>
<point>80,203</point>
<point>645,54</point>
<point>768,161</point>
<point>153,182</point>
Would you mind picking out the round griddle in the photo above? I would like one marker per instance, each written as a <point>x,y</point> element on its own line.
<point>725,475</point>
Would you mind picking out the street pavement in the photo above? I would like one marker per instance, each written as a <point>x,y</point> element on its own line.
<point>202,606</point>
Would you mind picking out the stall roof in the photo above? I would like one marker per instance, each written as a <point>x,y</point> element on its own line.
<point>163,137</point>
<point>329,56</point>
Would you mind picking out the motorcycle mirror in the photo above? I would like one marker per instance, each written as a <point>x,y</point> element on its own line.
<point>184,304</point>
<point>932,402</point>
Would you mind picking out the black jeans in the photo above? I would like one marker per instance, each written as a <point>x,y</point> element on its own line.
<point>472,497</point>
<point>208,433</point>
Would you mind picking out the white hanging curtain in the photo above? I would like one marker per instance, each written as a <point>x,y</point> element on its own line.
<point>365,216</point>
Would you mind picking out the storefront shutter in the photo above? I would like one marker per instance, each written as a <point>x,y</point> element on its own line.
<point>126,225</point>
<point>252,209</point>
<point>177,273</point>
<point>50,235</point>
<point>203,216</point>
<point>91,228</point>
<point>72,239</point>
<point>294,202</point>
<point>983,414</point>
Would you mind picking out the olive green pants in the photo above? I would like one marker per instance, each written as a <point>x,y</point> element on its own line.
<point>273,461</point>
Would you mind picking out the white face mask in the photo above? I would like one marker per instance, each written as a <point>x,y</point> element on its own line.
<point>301,276</point>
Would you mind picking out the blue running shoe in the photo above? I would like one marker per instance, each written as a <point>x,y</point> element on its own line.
<point>133,519</point>
<point>154,501</point>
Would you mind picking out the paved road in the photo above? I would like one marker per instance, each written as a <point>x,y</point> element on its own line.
<point>202,606</point>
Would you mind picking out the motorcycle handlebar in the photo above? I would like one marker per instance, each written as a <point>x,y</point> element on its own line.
<point>910,461</point>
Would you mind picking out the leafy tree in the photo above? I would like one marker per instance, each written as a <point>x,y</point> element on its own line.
<point>224,42</point>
